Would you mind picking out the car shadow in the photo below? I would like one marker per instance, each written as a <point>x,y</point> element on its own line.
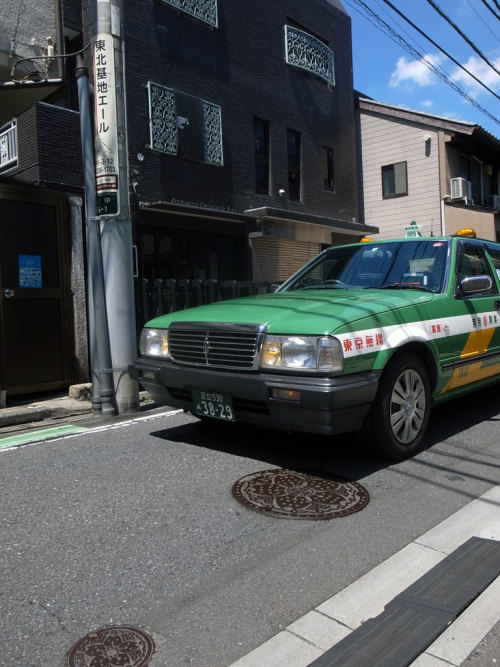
<point>330,456</point>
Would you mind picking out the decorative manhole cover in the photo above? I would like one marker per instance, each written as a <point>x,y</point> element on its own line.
<point>289,494</point>
<point>113,647</point>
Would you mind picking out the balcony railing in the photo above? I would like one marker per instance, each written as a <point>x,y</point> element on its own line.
<point>203,10</point>
<point>309,53</point>
<point>8,146</point>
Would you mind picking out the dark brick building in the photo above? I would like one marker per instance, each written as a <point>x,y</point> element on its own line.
<point>241,135</point>
<point>241,150</point>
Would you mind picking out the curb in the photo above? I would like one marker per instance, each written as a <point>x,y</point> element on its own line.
<point>24,415</point>
<point>311,636</point>
<point>39,411</point>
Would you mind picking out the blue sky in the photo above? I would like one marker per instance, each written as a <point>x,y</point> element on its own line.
<point>386,71</point>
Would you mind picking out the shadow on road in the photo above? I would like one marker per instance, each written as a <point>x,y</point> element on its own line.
<point>341,455</point>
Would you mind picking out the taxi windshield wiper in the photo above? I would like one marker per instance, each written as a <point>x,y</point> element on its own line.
<point>324,287</point>
<point>399,286</point>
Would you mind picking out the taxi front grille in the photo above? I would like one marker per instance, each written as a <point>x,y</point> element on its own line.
<point>231,346</point>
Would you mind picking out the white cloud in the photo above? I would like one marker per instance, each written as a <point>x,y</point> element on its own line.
<point>415,71</point>
<point>482,71</point>
<point>427,104</point>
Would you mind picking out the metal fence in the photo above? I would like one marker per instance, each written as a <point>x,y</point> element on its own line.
<point>166,296</point>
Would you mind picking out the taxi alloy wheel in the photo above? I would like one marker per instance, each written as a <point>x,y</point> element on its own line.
<point>400,413</point>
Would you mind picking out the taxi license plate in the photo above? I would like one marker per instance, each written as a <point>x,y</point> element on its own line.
<point>213,404</point>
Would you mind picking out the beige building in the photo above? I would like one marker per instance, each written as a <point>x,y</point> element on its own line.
<point>438,173</point>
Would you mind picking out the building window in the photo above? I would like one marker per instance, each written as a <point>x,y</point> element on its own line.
<point>293,154</point>
<point>203,10</point>
<point>8,146</point>
<point>327,168</point>
<point>261,153</point>
<point>309,53</point>
<point>185,126</point>
<point>394,180</point>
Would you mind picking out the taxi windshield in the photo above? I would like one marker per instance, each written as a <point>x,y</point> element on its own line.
<point>418,265</point>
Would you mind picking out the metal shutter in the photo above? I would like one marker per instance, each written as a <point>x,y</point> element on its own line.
<point>274,260</point>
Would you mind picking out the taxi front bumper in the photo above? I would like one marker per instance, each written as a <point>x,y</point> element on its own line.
<point>325,405</point>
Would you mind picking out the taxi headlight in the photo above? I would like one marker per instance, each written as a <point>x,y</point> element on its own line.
<point>302,353</point>
<point>154,343</point>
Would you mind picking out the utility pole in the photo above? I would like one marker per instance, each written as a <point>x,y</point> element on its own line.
<point>100,355</point>
<point>112,186</point>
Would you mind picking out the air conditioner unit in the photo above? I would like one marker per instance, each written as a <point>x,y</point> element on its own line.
<point>460,188</point>
<point>494,202</point>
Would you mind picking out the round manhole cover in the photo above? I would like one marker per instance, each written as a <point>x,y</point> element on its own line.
<point>113,647</point>
<point>290,494</point>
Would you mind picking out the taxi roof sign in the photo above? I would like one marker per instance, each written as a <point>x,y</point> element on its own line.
<point>467,231</point>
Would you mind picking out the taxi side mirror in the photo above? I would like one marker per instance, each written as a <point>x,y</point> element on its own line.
<point>474,285</point>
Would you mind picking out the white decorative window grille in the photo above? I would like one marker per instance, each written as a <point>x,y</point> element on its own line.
<point>185,126</point>
<point>307,52</point>
<point>8,146</point>
<point>162,119</point>
<point>212,133</point>
<point>203,10</point>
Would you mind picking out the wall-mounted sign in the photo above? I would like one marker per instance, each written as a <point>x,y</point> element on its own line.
<point>30,271</point>
<point>413,230</point>
<point>106,129</point>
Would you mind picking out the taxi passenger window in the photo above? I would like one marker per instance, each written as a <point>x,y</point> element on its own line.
<point>494,254</point>
<point>474,263</point>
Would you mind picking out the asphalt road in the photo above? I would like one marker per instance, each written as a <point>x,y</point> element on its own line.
<point>135,524</point>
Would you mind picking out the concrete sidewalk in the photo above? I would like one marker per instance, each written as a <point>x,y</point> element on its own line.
<point>25,415</point>
<point>36,412</point>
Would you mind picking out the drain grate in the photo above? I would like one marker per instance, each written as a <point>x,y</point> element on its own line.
<point>113,647</point>
<point>290,494</point>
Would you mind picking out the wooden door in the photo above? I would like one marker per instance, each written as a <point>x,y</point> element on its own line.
<point>35,331</point>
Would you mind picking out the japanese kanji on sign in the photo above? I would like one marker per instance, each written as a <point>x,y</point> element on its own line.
<point>106,131</point>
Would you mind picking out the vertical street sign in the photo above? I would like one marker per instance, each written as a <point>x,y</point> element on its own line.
<point>114,224</point>
<point>106,127</point>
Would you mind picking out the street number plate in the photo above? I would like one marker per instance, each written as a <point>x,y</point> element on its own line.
<point>213,404</point>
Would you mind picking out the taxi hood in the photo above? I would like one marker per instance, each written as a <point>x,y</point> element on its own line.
<point>319,312</point>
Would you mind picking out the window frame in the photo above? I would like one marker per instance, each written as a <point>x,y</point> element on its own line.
<point>262,158</point>
<point>294,165</point>
<point>386,169</point>
<point>165,137</point>
<point>327,168</point>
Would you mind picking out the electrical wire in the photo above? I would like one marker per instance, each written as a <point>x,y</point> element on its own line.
<point>385,27</point>
<point>53,57</point>
<point>496,3</point>
<point>490,8</point>
<point>462,34</point>
<point>415,27</point>
<point>492,32</point>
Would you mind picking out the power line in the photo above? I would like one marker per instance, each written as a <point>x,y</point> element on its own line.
<point>416,54</point>
<point>490,8</point>
<point>496,3</point>
<point>492,32</point>
<point>462,34</point>
<point>415,27</point>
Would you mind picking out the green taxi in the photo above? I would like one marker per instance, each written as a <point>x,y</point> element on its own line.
<point>365,337</point>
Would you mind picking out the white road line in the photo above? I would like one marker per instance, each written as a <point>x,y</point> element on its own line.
<point>310,636</point>
<point>37,437</point>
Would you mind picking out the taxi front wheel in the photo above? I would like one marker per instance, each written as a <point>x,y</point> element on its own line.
<point>399,416</point>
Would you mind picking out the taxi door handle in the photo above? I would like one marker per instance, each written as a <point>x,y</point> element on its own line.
<point>496,305</point>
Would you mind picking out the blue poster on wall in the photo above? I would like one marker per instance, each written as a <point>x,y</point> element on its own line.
<point>30,271</point>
